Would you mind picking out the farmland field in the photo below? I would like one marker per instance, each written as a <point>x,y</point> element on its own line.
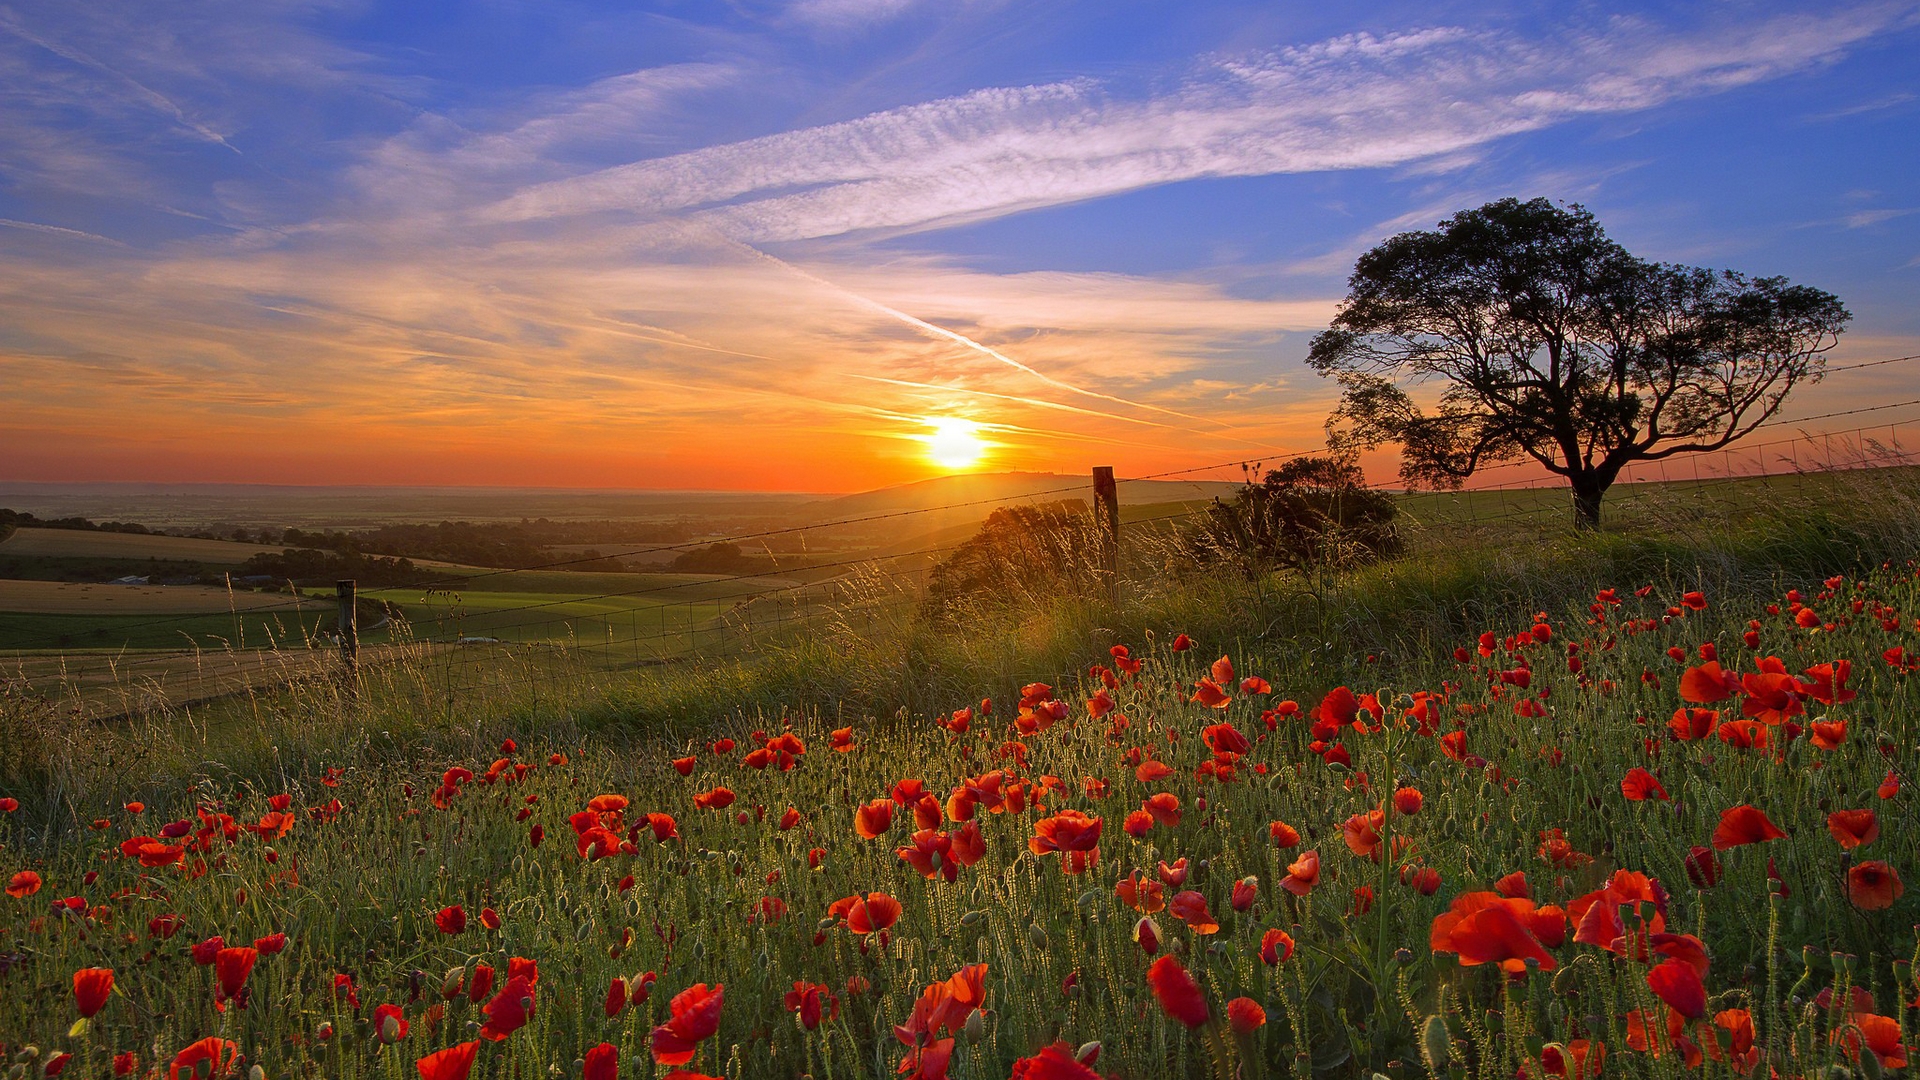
<point>1657,828</point>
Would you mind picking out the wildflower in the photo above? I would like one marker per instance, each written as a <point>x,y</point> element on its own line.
<point>1487,928</point>
<point>1177,993</point>
<point>217,1055</point>
<point>812,1003</point>
<point>389,1024</point>
<point>1054,1062</point>
<point>1276,946</point>
<point>91,986</point>
<point>231,967</point>
<point>23,884</point>
<point>1743,825</point>
<point>507,1012</point>
<point>601,1063</point>
<point>1191,908</point>
<point>453,1063</point>
<point>1408,800</point>
<point>1679,985</point>
<point>451,920</point>
<point>1853,828</point>
<point>1640,785</point>
<point>873,819</point>
<point>1874,886</point>
<point>1244,1015</point>
<point>1302,874</point>
<point>1071,833</point>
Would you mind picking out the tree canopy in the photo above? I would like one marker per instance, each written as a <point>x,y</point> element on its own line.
<point>1549,342</point>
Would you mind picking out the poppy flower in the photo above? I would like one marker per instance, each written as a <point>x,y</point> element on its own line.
<point>1151,771</point>
<point>508,1011</point>
<point>1679,985</point>
<point>23,884</point>
<point>1853,828</point>
<point>1071,833</point>
<point>1276,946</point>
<point>216,1054</point>
<point>1245,1016</point>
<point>1640,785</point>
<point>1881,1034</point>
<point>1146,934</point>
<point>1141,893</point>
<point>601,1063</point>
<point>90,989</point>
<point>812,1003</point>
<point>231,967</point>
<point>1208,693</point>
<point>841,739</point>
<point>1176,991</point>
<point>1487,928</point>
<point>1743,825</point>
<point>1708,683</point>
<point>1245,891</point>
<point>1302,874</point>
<point>1828,734</point>
<point>1703,867</point>
<point>272,943</point>
<point>1225,739</point>
<point>1164,807</point>
<point>451,920</point>
<point>1362,833</point>
<point>695,1017</point>
<point>1889,787</point>
<point>453,1063</point>
<point>1874,886</point>
<point>1691,725</point>
<point>1182,643</point>
<point>1579,1059</point>
<point>1191,908</point>
<point>873,819</point>
<point>1284,835</point>
<point>1175,875</point>
<point>717,799</point>
<point>389,1024</point>
<point>206,952</point>
<point>1053,1062</point>
<point>684,766</point>
<point>1408,800</point>
<point>876,912</point>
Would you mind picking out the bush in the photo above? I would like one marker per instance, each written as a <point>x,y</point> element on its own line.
<point>1312,512</point>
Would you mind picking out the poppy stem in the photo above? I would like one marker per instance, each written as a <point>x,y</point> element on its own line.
<point>1380,904</point>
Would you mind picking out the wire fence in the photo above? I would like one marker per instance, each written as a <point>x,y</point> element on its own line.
<point>458,635</point>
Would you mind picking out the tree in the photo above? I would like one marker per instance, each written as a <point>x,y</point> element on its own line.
<point>1309,512</point>
<point>1551,343</point>
<point>1022,556</point>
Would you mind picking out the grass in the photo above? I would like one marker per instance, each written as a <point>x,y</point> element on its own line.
<point>1364,992</point>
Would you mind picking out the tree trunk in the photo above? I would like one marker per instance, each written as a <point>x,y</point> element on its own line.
<point>1587,492</point>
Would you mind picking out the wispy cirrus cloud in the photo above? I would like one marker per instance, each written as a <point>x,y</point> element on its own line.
<point>1359,101</point>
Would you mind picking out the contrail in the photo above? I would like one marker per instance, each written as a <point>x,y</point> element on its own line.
<point>963,340</point>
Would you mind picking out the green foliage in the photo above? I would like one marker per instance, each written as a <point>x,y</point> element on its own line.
<point>1021,557</point>
<point>1311,513</point>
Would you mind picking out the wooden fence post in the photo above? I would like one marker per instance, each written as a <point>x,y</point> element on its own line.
<point>349,634</point>
<point>1106,499</point>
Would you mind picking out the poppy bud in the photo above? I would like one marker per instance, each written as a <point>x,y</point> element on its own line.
<point>389,1029</point>
<point>968,919</point>
<point>1147,933</point>
<point>1036,936</point>
<point>1088,1053</point>
<point>976,1026</point>
<point>324,1031</point>
<point>453,983</point>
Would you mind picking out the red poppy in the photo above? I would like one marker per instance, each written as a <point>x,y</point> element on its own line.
<point>873,819</point>
<point>1151,771</point>
<point>1244,1015</point>
<point>23,884</point>
<point>1191,908</point>
<point>684,766</point>
<point>1284,835</point>
<point>1639,785</point>
<point>718,799</point>
<point>1828,734</point>
<point>389,1024</point>
<point>1853,828</point>
<point>1487,928</point>
<point>1690,725</point>
<point>1071,833</point>
<point>1874,886</point>
<point>216,1054</point>
<point>1514,885</point>
<point>876,912</point>
<point>1302,874</point>
<point>1053,1062</point>
<point>1408,800</point>
<point>1772,697</point>
<point>1679,985</point>
<point>1708,683</point>
<point>1362,833</point>
<point>1141,893</point>
<point>1703,868</point>
<point>1164,807</point>
<point>453,1063</point>
<point>90,989</point>
<point>1580,1059</point>
<point>232,966</point>
<point>1742,825</point>
<point>1276,946</point>
<point>1178,994</point>
<point>1881,1034</point>
<point>272,943</point>
<point>1245,891</point>
<point>451,920</point>
<point>812,1002</point>
<point>508,1011</point>
<point>1182,643</point>
<point>696,1016</point>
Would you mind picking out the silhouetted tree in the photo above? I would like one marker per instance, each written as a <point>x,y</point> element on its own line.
<point>1550,342</point>
<point>1309,512</point>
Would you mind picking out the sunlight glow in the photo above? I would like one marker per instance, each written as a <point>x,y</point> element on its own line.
<point>954,443</point>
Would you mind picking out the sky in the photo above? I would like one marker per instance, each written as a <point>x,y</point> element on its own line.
<point>819,245</point>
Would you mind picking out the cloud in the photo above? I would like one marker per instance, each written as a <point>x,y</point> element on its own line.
<point>1359,101</point>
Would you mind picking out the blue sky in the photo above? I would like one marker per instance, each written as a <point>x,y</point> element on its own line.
<point>661,245</point>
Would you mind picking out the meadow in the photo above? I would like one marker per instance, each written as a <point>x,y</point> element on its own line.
<point>1615,804</point>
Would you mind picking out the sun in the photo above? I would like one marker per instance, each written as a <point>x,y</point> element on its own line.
<point>954,443</point>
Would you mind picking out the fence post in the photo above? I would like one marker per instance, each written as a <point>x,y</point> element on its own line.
<point>348,591</point>
<point>1106,499</point>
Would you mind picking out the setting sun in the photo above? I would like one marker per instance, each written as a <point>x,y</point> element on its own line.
<point>954,443</point>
